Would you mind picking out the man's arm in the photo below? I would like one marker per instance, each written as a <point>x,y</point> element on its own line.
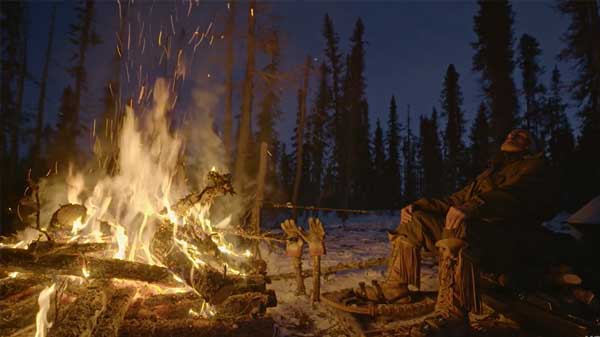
<point>442,205</point>
<point>521,193</point>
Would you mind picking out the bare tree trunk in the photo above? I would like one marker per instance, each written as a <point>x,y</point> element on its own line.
<point>246,118</point>
<point>16,126</point>
<point>80,75</point>
<point>300,133</point>
<point>5,102</point>
<point>42,98</point>
<point>228,119</point>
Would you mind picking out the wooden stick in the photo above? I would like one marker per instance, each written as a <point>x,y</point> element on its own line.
<point>316,281</point>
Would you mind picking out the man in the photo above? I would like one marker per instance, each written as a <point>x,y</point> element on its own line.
<point>483,221</point>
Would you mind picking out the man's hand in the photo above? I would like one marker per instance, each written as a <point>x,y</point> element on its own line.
<point>406,214</point>
<point>455,218</point>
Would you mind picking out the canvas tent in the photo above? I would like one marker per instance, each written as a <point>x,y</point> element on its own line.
<point>589,214</point>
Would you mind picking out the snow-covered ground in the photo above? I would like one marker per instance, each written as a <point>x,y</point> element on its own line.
<point>359,238</point>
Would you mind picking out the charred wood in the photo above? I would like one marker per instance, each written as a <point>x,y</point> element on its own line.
<point>197,327</point>
<point>63,264</point>
<point>110,321</point>
<point>17,285</point>
<point>19,314</point>
<point>171,306</point>
<point>214,286</point>
<point>249,305</point>
<point>81,316</point>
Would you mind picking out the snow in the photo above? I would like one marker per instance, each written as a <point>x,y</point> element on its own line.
<point>359,238</point>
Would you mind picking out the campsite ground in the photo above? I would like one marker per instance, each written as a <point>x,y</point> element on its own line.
<point>359,238</point>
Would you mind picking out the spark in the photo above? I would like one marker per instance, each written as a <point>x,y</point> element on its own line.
<point>160,38</point>
<point>252,12</point>
<point>172,25</point>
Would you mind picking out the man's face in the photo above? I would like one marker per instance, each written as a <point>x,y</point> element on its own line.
<point>516,141</point>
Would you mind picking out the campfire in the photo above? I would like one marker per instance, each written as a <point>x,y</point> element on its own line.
<point>134,252</point>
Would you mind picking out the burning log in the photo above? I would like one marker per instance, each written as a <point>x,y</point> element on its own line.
<point>247,304</point>
<point>39,248</point>
<point>197,328</point>
<point>16,285</point>
<point>96,268</point>
<point>184,254</point>
<point>219,184</point>
<point>214,286</point>
<point>67,214</point>
<point>81,316</point>
<point>16,315</point>
<point>110,321</point>
<point>172,306</point>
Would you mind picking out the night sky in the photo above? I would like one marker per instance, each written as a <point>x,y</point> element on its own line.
<point>410,45</point>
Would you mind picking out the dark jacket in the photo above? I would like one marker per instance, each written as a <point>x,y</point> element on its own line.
<point>517,188</point>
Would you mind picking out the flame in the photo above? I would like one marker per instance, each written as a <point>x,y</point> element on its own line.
<point>77,226</point>
<point>206,311</point>
<point>41,319</point>
<point>84,270</point>
<point>14,274</point>
<point>122,241</point>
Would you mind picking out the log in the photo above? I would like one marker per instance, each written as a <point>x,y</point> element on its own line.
<point>12,286</point>
<point>197,327</point>
<point>110,321</point>
<point>81,317</point>
<point>40,248</point>
<point>214,286</point>
<point>167,306</point>
<point>19,315</point>
<point>64,264</point>
<point>249,305</point>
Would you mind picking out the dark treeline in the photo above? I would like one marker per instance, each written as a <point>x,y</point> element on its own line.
<point>391,164</point>
<point>335,156</point>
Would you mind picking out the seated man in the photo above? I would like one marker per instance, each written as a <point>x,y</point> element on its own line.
<point>479,222</point>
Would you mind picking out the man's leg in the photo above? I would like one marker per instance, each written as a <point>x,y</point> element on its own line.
<point>458,285</point>
<point>404,265</point>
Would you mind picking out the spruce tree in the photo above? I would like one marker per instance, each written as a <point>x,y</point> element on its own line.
<point>337,122</point>
<point>83,36</point>
<point>455,158</point>
<point>583,50</point>
<point>529,52</point>
<point>378,180</point>
<point>481,145</point>
<point>560,143</point>
<point>410,167</point>
<point>493,58</point>
<point>430,156</point>
<point>286,173</point>
<point>318,134</point>
<point>392,165</point>
<point>359,155</point>
<point>558,128</point>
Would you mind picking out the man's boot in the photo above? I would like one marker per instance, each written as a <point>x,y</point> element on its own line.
<point>457,295</point>
<point>403,269</point>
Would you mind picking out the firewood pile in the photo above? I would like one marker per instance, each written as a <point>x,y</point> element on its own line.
<point>64,287</point>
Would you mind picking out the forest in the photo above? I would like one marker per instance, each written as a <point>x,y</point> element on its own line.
<point>336,157</point>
